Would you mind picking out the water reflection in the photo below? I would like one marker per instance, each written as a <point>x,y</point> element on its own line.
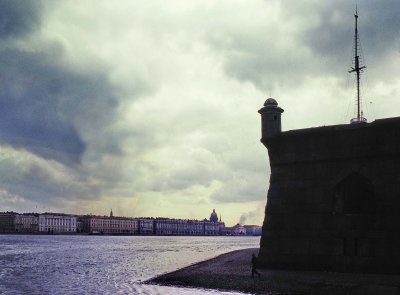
<point>103,264</point>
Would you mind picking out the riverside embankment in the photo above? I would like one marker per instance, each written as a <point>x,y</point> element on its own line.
<point>232,271</point>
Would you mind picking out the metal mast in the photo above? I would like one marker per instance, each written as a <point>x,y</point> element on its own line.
<point>357,69</point>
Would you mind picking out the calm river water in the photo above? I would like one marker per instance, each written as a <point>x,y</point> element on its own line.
<point>103,264</point>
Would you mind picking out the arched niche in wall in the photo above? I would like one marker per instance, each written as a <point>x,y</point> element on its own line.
<point>354,195</point>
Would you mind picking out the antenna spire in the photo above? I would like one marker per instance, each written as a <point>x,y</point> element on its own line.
<point>357,69</point>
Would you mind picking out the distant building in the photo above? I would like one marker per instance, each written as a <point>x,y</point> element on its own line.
<point>79,226</point>
<point>214,216</point>
<point>166,226</point>
<point>57,223</point>
<point>253,230</point>
<point>27,223</point>
<point>109,225</point>
<point>195,228</point>
<point>146,226</point>
<point>236,230</point>
<point>212,228</point>
<point>7,222</point>
<point>12,222</point>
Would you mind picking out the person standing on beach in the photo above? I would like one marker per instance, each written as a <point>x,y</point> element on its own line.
<point>254,266</point>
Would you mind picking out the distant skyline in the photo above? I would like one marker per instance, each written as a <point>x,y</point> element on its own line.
<point>206,218</point>
<point>150,107</point>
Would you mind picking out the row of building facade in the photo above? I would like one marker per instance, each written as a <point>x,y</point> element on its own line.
<point>12,222</point>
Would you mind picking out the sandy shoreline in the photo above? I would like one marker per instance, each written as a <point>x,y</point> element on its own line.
<point>232,271</point>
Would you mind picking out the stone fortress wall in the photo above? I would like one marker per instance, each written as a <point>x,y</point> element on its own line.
<point>334,196</point>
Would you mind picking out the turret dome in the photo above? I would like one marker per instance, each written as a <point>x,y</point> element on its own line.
<point>270,102</point>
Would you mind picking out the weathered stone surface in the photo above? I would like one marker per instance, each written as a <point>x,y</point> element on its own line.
<point>334,198</point>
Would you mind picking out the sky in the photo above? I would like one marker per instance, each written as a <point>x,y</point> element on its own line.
<point>150,107</point>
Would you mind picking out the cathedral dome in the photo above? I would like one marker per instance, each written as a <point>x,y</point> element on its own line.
<point>214,216</point>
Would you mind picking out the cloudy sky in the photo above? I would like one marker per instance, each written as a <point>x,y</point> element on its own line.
<point>150,107</point>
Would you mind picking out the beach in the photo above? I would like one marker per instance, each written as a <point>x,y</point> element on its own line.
<point>232,272</point>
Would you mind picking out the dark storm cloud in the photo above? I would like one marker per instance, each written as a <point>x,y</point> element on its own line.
<point>29,113</point>
<point>18,17</point>
<point>33,184</point>
<point>43,102</point>
<point>312,39</point>
<point>38,182</point>
<point>378,27</point>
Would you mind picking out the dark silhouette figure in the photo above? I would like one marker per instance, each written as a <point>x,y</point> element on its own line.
<point>254,266</point>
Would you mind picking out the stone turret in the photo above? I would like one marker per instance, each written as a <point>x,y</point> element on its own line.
<point>270,120</point>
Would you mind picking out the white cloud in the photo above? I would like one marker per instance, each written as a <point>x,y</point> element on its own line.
<point>186,80</point>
